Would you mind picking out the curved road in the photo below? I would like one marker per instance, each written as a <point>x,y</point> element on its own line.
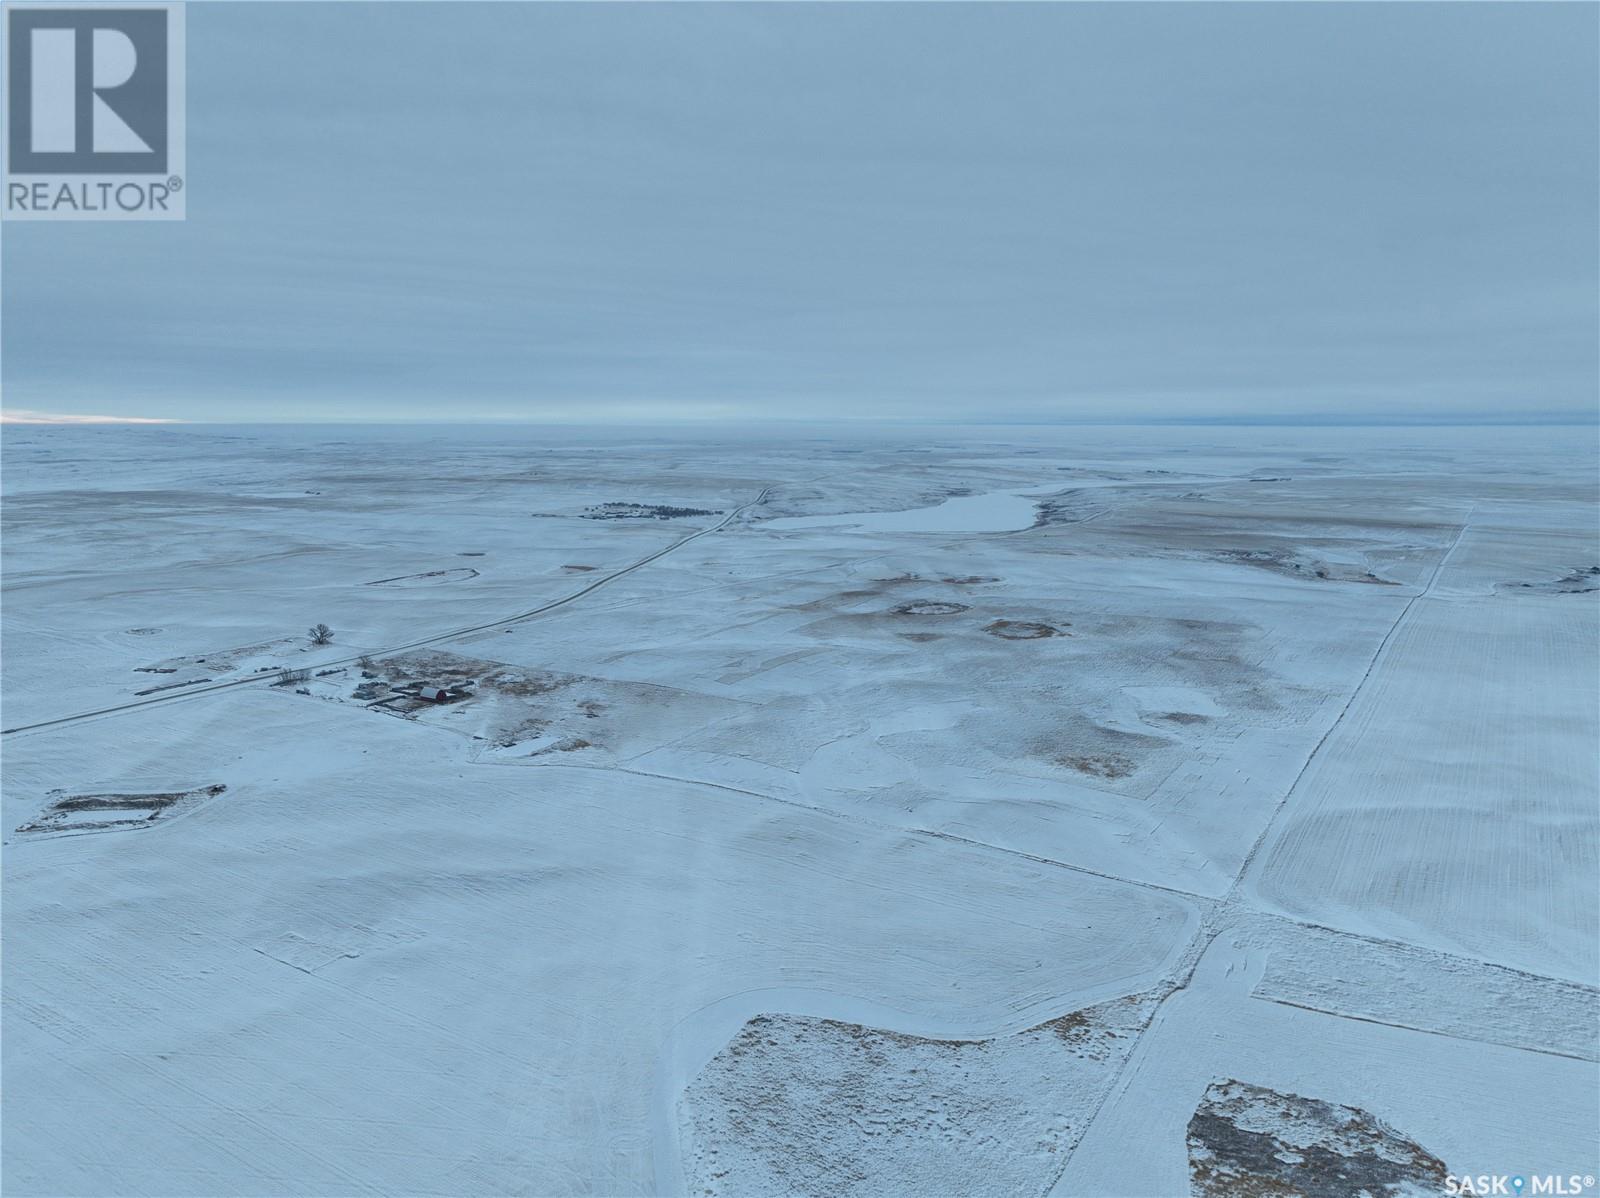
<point>257,679</point>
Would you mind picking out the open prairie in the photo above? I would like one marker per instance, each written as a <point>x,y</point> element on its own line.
<point>1075,810</point>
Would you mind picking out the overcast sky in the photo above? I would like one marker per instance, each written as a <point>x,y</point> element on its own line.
<point>1017,212</point>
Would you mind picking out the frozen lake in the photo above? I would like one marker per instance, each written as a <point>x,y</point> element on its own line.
<point>997,511</point>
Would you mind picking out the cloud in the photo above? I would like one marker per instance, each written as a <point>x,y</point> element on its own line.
<point>927,212</point>
<point>28,416</point>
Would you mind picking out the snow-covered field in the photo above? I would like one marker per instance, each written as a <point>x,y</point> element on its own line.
<point>1081,811</point>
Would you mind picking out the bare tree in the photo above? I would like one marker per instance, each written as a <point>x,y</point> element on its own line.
<point>321,634</point>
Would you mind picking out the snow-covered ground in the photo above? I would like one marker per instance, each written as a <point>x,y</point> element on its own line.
<point>1077,811</point>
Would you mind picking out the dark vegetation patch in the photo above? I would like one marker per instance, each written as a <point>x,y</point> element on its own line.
<point>1315,1149</point>
<point>805,1105</point>
<point>107,812</point>
<point>1071,1027</point>
<point>506,705</point>
<point>1099,765</point>
<point>1296,565</point>
<point>1099,752</point>
<point>1578,582</point>
<point>1072,508</point>
<point>643,511</point>
<point>461,677</point>
<point>1022,630</point>
<point>1094,1031</point>
<point>1181,717</point>
<point>971,580</point>
<point>580,569</point>
<point>514,733</point>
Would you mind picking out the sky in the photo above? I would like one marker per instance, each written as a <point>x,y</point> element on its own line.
<point>930,212</point>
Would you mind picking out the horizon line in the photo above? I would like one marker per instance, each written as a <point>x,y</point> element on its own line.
<point>34,419</point>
